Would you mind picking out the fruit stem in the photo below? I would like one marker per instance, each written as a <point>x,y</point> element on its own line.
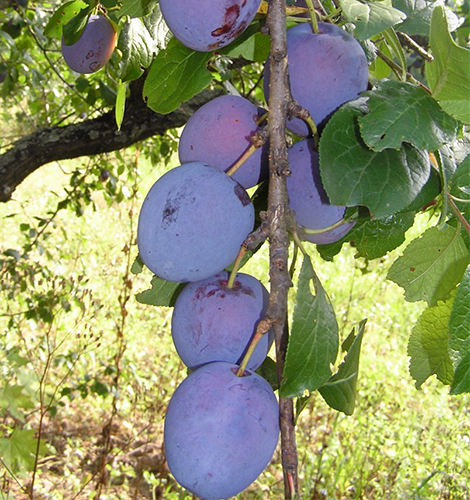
<point>236,266</point>
<point>298,242</point>
<point>262,118</point>
<point>262,328</point>
<point>313,15</point>
<point>458,214</point>
<point>327,228</point>
<point>314,130</point>
<point>258,139</point>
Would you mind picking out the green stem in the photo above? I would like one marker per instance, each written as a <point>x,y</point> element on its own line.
<point>236,266</point>
<point>458,214</point>
<point>314,129</point>
<point>345,220</point>
<point>261,330</point>
<point>241,160</point>
<point>313,15</point>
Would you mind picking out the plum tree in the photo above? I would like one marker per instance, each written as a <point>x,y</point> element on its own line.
<point>192,223</point>
<point>93,49</point>
<point>308,198</point>
<point>220,430</point>
<point>219,133</point>
<point>206,25</point>
<point>212,322</point>
<point>326,69</point>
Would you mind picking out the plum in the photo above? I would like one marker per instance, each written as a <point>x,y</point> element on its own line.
<point>307,196</point>
<point>212,322</point>
<point>326,69</point>
<point>193,222</point>
<point>220,430</point>
<point>93,49</point>
<point>219,133</point>
<point>206,25</point>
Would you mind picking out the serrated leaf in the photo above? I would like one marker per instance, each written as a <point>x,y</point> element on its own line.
<point>14,399</point>
<point>403,112</point>
<point>18,451</point>
<point>162,293</point>
<point>432,265</point>
<point>340,390</point>
<point>418,16</point>
<point>352,174</point>
<point>313,340</point>
<point>374,238</point>
<point>459,339</point>
<point>370,18</point>
<point>73,30</point>
<point>62,16</point>
<point>428,345</point>
<point>137,47</point>
<point>176,74</point>
<point>448,74</point>
<point>137,8</point>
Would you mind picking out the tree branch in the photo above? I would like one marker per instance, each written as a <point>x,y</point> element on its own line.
<point>90,137</point>
<point>278,213</point>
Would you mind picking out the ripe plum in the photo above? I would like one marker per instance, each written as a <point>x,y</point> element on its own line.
<point>207,25</point>
<point>219,133</point>
<point>326,69</point>
<point>212,322</point>
<point>220,430</point>
<point>93,49</point>
<point>193,222</point>
<point>307,196</point>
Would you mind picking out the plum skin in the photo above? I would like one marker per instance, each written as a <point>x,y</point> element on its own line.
<point>93,49</point>
<point>206,25</point>
<point>220,430</point>
<point>308,198</point>
<point>193,222</point>
<point>326,69</point>
<point>219,133</point>
<point>212,322</point>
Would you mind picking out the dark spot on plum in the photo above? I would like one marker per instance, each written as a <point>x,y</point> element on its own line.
<point>242,195</point>
<point>191,147</point>
<point>169,214</point>
<point>230,18</point>
<point>90,54</point>
<point>95,66</point>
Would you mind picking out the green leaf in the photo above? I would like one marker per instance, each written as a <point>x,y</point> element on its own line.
<point>459,339</point>
<point>268,371</point>
<point>19,450</point>
<point>120,104</point>
<point>177,74</point>
<point>137,266</point>
<point>62,16</point>
<point>428,345</point>
<point>432,265</point>
<point>73,30</point>
<point>251,45</point>
<point>137,47</point>
<point>385,181</point>
<point>340,390</point>
<point>158,28</point>
<point>448,74</point>
<point>419,12</point>
<point>15,400</point>
<point>370,18</point>
<point>162,293</point>
<point>313,341</point>
<point>403,112</point>
<point>374,238</point>
<point>137,8</point>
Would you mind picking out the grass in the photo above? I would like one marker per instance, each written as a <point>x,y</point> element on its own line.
<point>115,359</point>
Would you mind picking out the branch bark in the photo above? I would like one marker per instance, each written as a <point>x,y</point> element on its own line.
<point>278,213</point>
<point>90,137</point>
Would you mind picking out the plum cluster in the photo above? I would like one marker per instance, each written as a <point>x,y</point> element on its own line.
<point>221,427</point>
